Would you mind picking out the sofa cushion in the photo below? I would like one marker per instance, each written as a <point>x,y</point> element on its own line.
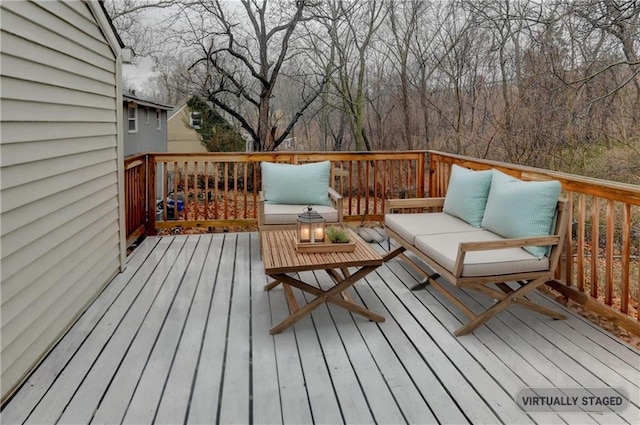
<point>306,184</point>
<point>288,214</point>
<point>443,248</point>
<point>517,209</point>
<point>467,194</point>
<point>408,226</point>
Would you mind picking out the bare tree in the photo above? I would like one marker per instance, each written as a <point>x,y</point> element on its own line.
<point>405,18</point>
<point>140,32</point>
<point>352,38</point>
<point>621,21</point>
<point>240,50</point>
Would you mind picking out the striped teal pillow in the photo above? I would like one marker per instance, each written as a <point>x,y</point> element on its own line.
<point>518,209</point>
<point>467,194</point>
<point>306,184</point>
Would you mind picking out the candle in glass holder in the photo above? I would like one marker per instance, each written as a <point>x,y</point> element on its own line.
<point>318,232</point>
<point>304,233</point>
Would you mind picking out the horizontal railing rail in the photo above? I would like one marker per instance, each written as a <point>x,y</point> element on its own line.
<point>601,267</point>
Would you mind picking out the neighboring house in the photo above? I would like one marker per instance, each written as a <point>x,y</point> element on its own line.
<point>145,125</point>
<point>61,193</point>
<point>182,135</point>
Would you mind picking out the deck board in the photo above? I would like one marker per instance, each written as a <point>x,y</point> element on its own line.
<point>182,336</point>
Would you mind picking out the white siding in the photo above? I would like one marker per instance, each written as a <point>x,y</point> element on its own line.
<point>59,201</point>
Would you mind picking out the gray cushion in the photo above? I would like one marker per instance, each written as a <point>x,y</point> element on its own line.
<point>411,225</point>
<point>443,248</point>
<point>288,214</point>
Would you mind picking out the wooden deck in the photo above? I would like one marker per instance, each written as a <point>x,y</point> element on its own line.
<point>182,336</point>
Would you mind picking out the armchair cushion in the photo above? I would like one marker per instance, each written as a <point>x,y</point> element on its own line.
<point>306,184</point>
<point>518,209</point>
<point>467,194</point>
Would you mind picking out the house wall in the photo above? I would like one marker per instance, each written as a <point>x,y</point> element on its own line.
<point>180,137</point>
<point>148,138</point>
<point>61,175</point>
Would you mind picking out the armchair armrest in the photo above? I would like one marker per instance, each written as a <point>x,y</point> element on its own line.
<point>422,203</point>
<point>465,247</point>
<point>336,200</point>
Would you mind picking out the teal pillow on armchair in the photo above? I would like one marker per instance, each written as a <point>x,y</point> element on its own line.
<point>306,184</point>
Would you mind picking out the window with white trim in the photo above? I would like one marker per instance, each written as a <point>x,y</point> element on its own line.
<point>195,120</point>
<point>133,117</point>
<point>146,115</point>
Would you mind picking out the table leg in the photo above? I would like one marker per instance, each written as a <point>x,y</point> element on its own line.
<point>291,299</point>
<point>269,286</point>
<point>332,295</point>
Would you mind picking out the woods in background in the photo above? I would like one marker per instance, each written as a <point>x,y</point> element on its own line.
<point>551,84</point>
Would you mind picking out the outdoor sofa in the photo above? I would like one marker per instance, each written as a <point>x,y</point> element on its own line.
<point>493,233</point>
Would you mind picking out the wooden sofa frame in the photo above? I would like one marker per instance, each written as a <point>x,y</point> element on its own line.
<point>505,294</point>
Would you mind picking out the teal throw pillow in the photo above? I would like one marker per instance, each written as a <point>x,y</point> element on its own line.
<point>306,184</point>
<point>519,209</point>
<point>467,194</point>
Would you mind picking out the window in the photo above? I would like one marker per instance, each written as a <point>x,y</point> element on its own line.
<point>133,117</point>
<point>146,115</point>
<point>158,119</point>
<point>195,119</point>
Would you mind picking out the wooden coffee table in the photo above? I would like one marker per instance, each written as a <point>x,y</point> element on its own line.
<point>281,260</point>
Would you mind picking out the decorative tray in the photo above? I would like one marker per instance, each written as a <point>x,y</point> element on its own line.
<point>326,247</point>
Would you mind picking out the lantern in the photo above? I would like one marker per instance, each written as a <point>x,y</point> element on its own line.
<point>311,226</point>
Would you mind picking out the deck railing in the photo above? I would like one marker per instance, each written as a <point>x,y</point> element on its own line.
<point>601,268</point>
<point>218,190</point>
<point>135,184</point>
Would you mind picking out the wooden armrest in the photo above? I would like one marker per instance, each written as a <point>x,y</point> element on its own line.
<point>335,196</point>
<point>393,204</point>
<point>508,243</point>
<point>465,247</point>
<point>336,200</point>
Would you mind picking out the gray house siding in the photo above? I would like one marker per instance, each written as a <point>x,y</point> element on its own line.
<point>147,137</point>
<point>61,172</point>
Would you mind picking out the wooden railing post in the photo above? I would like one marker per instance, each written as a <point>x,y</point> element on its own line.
<point>151,195</point>
<point>421,175</point>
